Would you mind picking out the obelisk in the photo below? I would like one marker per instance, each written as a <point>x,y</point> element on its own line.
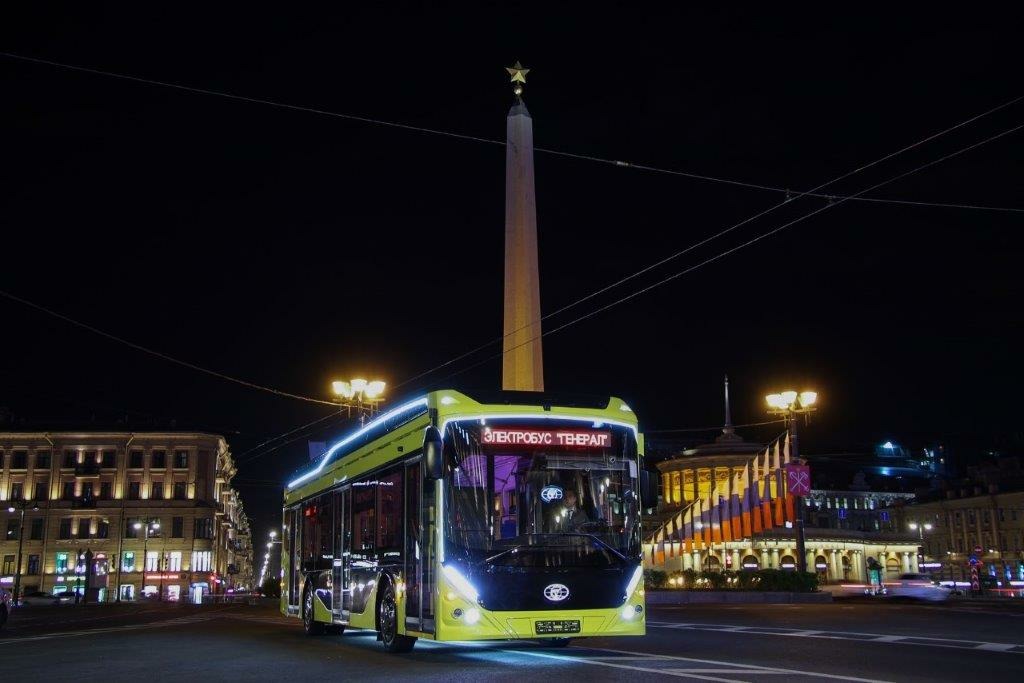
<point>522,366</point>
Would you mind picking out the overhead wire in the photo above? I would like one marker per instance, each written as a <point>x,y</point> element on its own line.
<point>159,354</point>
<point>711,238</point>
<point>490,141</point>
<point>734,249</point>
<point>711,429</point>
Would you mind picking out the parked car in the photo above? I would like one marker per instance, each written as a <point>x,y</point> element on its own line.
<point>41,598</point>
<point>918,586</point>
<point>5,606</point>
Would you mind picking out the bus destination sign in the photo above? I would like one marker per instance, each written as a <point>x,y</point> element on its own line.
<point>540,438</point>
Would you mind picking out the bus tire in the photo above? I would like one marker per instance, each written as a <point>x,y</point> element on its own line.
<point>555,642</point>
<point>309,623</point>
<point>3,615</point>
<point>387,620</point>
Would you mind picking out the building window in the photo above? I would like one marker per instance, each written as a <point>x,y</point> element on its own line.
<point>108,459</point>
<point>87,490</point>
<point>152,561</point>
<point>157,490</point>
<point>204,528</point>
<point>201,561</point>
<point>70,458</point>
<point>12,530</point>
<point>174,561</point>
<point>159,460</point>
<point>36,533</point>
<point>61,563</point>
<point>33,565</point>
<point>128,562</point>
<point>19,460</point>
<point>180,459</point>
<point>135,460</point>
<point>83,527</point>
<point>103,529</point>
<point>177,527</point>
<point>134,489</point>
<point>42,460</point>
<point>129,527</point>
<point>64,531</point>
<point>41,490</point>
<point>8,565</point>
<point>105,488</point>
<point>179,490</point>
<point>69,490</point>
<point>16,493</point>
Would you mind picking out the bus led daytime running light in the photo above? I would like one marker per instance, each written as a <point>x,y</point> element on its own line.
<point>638,574</point>
<point>459,583</point>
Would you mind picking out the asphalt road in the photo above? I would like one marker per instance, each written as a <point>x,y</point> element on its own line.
<point>841,641</point>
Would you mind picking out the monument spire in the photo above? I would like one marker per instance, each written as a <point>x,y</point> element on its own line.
<point>522,366</point>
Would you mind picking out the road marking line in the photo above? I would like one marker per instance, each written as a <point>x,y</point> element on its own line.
<point>728,671</point>
<point>751,668</point>
<point>995,647</point>
<point>113,629</point>
<point>927,641</point>
<point>587,660</point>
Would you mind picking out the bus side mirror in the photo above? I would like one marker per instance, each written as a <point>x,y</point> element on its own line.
<point>433,462</point>
<point>648,489</point>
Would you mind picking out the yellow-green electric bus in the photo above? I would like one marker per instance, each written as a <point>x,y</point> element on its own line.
<point>450,519</point>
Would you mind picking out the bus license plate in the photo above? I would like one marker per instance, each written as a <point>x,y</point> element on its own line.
<point>563,626</point>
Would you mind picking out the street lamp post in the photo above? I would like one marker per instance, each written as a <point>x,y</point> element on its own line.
<point>920,529</point>
<point>150,526</point>
<point>21,506</point>
<point>358,394</point>
<point>789,404</point>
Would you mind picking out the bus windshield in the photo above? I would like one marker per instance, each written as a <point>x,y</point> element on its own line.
<point>525,495</point>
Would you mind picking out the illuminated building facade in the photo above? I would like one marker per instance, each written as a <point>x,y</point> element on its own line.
<point>154,512</point>
<point>974,519</point>
<point>844,528</point>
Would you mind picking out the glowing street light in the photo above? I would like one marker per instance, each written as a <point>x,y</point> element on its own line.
<point>364,396</point>
<point>789,404</point>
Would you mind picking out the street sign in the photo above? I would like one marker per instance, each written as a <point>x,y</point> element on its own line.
<point>798,480</point>
<point>978,550</point>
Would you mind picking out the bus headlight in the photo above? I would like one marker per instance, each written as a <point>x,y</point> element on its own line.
<point>460,583</point>
<point>630,611</point>
<point>472,615</point>
<point>634,581</point>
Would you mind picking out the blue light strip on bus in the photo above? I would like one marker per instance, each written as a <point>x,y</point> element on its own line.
<point>404,408</point>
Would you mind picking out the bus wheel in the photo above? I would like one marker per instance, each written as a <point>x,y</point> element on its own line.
<point>3,615</point>
<point>555,642</point>
<point>392,640</point>
<point>311,625</point>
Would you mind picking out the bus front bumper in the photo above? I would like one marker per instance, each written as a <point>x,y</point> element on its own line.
<point>481,624</point>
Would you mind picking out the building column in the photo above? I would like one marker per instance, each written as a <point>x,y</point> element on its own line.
<point>736,560</point>
<point>766,559</point>
<point>837,566</point>
<point>914,566</point>
<point>905,564</point>
<point>775,558</point>
<point>809,556</point>
<point>696,561</point>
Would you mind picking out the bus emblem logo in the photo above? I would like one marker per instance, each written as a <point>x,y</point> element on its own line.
<point>556,592</point>
<point>550,493</point>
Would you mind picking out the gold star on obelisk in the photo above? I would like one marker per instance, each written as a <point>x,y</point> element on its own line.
<point>518,74</point>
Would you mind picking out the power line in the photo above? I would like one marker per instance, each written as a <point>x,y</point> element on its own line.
<point>242,459</point>
<point>491,141</point>
<point>738,247</point>
<point>715,236</point>
<point>158,354</point>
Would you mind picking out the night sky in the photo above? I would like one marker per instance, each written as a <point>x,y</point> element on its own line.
<point>290,248</point>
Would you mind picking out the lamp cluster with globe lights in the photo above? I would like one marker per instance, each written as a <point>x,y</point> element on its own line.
<point>360,395</point>
<point>791,402</point>
<point>15,506</point>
